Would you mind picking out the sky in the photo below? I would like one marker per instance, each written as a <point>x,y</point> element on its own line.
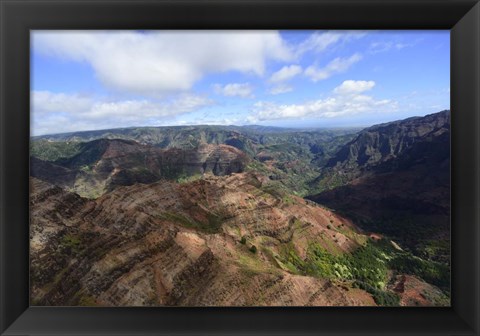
<point>88,80</point>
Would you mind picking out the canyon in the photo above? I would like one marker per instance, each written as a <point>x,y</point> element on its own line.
<point>242,216</point>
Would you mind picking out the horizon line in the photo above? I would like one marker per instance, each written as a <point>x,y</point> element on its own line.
<point>249,125</point>
<point>209,125</point>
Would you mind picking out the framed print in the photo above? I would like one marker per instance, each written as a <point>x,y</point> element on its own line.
<point>239,168</point>
<point>244,191</point>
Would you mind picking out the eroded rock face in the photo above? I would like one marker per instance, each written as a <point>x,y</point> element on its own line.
<point>396,180</point>
<point>181,245</point>
<point>382,143</point>
<point>104,164</point>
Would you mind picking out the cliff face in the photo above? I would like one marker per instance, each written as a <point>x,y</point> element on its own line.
<point>383,143</point>
<point>396,181</point>
<point>102,165</point>
<point>188,245</point>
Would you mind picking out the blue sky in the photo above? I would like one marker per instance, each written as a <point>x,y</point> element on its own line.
<point>86,80</point>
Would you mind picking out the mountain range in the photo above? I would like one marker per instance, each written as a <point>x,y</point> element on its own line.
<point>101,165</point>
<point>251,215</point>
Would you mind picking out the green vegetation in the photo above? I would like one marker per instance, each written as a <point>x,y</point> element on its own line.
<point>321,263</point>
<point>257,166</point>
<point>170,171</point>
<point>290,259</point>
<point>253,266</point>
<point>184,178</point>
<point>243,240</point>
<point>212,225</point>
<point>367,264</point>
<point>295,158</point>
<point>329,179</point>
<point>86,168</point>
<point>279,191</point>
<point>87,301</point>
<point>382,298</point>
<point>367,267</point>
<point>437,274</point>
<point>253,249</point>
<point>70,244</point>
<point>287,199</point>
<point>436,250</point>
<point>275,189</point>
<point>413,232</point>
<point>53,150</point>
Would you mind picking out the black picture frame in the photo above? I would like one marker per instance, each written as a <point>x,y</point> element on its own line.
<point>18,17</point>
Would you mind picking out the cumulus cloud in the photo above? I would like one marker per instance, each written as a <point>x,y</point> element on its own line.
<point>243,90</point>
<point>58,112</point>
<point>286,73</point>
<point>353,87</point>
<point>346,100</point>
<point>337,65</point>
<point>158,62</point>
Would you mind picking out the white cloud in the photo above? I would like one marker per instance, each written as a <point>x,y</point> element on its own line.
<point>45,102</point>
<point>58,112</point>
<point>354,87</point>
<point>243,90</point>
<point>209,121</point>
<point>347,100</point>
<point>145,109</point>
<point>319,42</point>
<point>323,108</point>
<point>338,65</point>
<point>286,73</point>
<point>276,90</point>
<point>380,47</point>
<point>159,62</point>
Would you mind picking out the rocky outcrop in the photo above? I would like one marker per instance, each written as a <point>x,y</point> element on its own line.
<point>382,143</point>
<point>181,245</point>
<point>102,165</point>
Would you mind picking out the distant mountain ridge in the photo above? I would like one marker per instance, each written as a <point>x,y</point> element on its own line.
<point>103,164</point>
<point>133,131</point>
<point>249,139</point>
<point>286,154</point>
<point>384,142</point>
